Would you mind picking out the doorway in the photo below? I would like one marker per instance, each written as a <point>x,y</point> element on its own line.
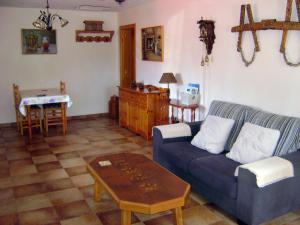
<point>127,55</point>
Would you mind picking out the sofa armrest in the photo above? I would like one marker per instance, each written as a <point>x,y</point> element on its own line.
<point>256,205</point>
<point>158,139</point>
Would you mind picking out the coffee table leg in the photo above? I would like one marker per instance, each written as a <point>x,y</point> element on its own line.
<point>125,217</point>
<point>178,216</point>
<point>97,191</point>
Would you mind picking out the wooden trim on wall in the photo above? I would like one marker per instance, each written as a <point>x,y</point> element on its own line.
<point>124,27</point>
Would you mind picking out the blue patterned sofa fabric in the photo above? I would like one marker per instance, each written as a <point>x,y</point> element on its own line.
<point>233,111</point>
<point>289,127</point>
<point>181,154</point>
<point>212,176</point>
<point>217,172</point>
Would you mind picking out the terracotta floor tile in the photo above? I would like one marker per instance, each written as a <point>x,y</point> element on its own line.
<point>43,216</point>
<point>4,164</point>
<point>82,180</point>
<point>2,156</point>
<point>61,178</point>
<point>22,170</point>
<point>27,179</point>
<point>72,209</point>
<point>8,206</point>
<point>145,217</point>
<point>48,166</point>
<point>38,146</point>
<point>106,204</point>
<point>18,155</point>
<point>67,155</point>
<point>20,162</point>
<point>11,219</point>
<point>59,184</point>
<point>30,189</point>
<point>88,219</point>
<point>33,202</point>
<point>15,143</point>
<point>6,182</point>
<point>113,217</point>
<point>77,170</point>
<point>65,196</point>
<point>6,193</point>
<point>163,220</point>
<point>41,152</point>
<point>87,191</point>
<point>199,215</point>
<point>4,172</point>
<point>53,174</point>
<point>44,159</point>
<point>67,163</point>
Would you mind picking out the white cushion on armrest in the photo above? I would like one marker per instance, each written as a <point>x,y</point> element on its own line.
<point>269,171</point>
<point>175,130</point>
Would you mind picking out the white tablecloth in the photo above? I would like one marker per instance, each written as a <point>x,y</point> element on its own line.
<point>42,96</point>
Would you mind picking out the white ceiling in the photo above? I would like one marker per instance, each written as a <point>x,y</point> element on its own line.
<point>86,5</point>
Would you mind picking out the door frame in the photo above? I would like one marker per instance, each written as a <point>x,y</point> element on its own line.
<point>127,27</point>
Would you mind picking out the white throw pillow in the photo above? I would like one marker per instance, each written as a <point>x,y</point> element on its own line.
<point>213,134</point>
<point>254,143</point>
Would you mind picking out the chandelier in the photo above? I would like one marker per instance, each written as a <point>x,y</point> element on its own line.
<point>120,1</point>
<point>45,20</point>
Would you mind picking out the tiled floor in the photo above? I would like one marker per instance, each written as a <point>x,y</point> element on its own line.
<point>46,182</point>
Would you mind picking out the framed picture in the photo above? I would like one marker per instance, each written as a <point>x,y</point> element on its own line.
<point>36,41</point>
<point>152,44</point>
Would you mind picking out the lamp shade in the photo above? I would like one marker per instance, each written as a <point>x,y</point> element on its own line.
<point>167,78</point>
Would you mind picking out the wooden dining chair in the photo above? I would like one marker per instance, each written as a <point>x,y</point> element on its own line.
<point>22,121</point>
<point>55,113</point>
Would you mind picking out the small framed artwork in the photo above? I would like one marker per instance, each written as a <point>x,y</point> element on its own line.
<point>36,41</point>
<point>152,44</point>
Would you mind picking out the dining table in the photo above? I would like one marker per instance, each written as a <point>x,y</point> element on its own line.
<point>40,97</point>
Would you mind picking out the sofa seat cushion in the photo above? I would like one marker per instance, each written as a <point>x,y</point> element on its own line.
<point>180,154</point>
<point>217,173</point>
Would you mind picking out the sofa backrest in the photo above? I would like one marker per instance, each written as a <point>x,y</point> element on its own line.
<point>233,111</point>
<point>289,127</point>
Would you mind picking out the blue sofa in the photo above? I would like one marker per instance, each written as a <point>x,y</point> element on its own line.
<point>212,176</point>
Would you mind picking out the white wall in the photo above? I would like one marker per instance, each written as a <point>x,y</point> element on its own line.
<point>268,83</point>
<point>89,69</point>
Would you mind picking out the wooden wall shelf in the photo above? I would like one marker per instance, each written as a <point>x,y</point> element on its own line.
<point>94,32</point>
<point>82,35</point>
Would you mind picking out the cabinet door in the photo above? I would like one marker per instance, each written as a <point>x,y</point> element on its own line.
<point>123,112</point>
<point>142,127</point>
<point>133,114</point>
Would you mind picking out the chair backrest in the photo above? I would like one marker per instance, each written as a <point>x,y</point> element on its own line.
<point>62,87</point>
<point>16,93</point>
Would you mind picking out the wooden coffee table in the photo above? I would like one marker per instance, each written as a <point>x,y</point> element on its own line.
<point>137,184</point>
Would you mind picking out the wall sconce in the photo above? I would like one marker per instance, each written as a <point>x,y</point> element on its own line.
<point>207,36</point>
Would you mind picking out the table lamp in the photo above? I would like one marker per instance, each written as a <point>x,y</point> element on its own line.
<point>168,78</point>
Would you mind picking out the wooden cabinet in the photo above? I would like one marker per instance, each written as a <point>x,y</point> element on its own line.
<point>139,111</point>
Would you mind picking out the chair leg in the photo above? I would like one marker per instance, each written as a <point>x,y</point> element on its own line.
<point>22,128</point>
<point>46,122</point>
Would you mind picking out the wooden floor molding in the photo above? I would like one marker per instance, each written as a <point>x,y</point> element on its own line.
<point>70,118</point>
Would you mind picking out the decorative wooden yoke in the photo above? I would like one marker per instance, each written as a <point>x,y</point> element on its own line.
<point>273,24</point>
